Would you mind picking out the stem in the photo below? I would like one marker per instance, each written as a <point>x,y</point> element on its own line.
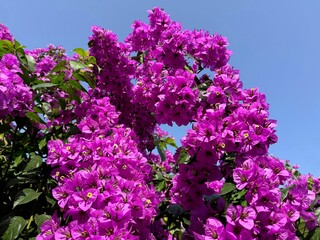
<point>3,179</point>
<point>29,222</point>
<point>11,153</point>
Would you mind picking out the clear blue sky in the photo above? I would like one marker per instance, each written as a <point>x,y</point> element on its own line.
<point>275,44</point>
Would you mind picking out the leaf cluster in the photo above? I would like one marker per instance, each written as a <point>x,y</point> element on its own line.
<point>26,199</point>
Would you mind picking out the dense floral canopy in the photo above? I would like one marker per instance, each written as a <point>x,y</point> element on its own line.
<point>82,143</point>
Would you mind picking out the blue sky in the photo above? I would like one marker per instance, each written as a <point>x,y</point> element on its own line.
<point>275,45</point>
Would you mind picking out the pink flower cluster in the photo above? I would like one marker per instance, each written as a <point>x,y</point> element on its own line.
<point>103,180</point>
<point>155,77</point>
<point>15,96</point>
<point>5,33</point>
<point>46,59</point>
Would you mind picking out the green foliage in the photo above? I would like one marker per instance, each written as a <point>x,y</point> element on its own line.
<point>6,47</point>
<point>316,235</point>
<point>176,219</point>
<point>24,196</point>
<point>285,191</point>
<point>227,188</point>
<point>162,144</point>
<point>25,182</point>
<point>184,156</point>
<point>40,219</point>
<point>12,227</point>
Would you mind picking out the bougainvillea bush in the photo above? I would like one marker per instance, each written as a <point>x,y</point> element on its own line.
<point>83,155</point>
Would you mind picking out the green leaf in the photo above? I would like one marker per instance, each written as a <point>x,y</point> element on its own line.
<point>38,110</point>
<point>25,75</point>
<point>140,57</point>
<point>186,221</point>
<point>285,191</point>
<point>91,81</point>
<point>46,108</point>
<point>80,77</point>
<point>31,63</point>
<point>73,93</point>
<point>164,142</point>
<point>34,117</point>
<point>17,161</point>
<point>230,157</point>
<point>227,187</point>
<point>4,141</point>
<point>44,85</point>
<point>176,232</point>
<point>317,215</point>
<point>51,200</point>
<point>40,219</point>
<point>314,202</point>
<point>244,203</point>
<point>204,86</point>
<point>25,196</point>
<point>161,185</point>
<point>85,77</point>
<point>57,79</point>
<point>77,65</point>
<point>14,226</point>
<point>42,143</point>
<point>20,180</point>
<point>34,162</point>
<point>239,195</point>
<point>184,156</point>
<point>17,45</point>
<point>316,234</point>
<point>158,176</point>
<point>92,60</point>
<point>175,209</point>
<point>77,85</point>
<point>6,46</point>
<point>60,66</point>
<point>81,52</point>
<point>170,141</point>
<point>302,227</point>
